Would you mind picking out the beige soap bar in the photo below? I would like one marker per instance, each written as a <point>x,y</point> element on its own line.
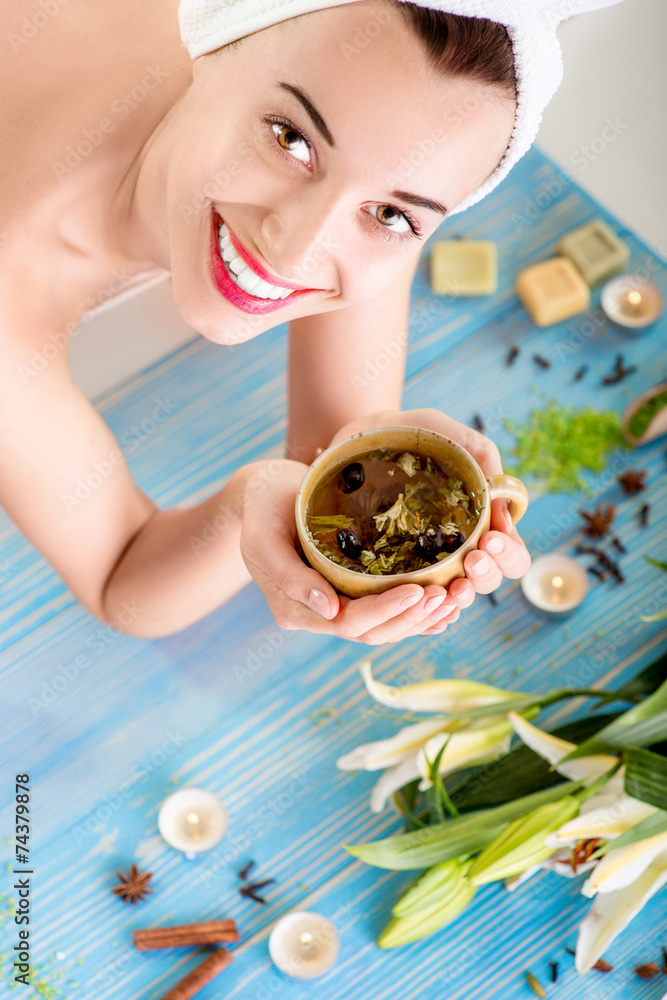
<point>552,291</point>
<point>464,267</point>
<point>596,250</point>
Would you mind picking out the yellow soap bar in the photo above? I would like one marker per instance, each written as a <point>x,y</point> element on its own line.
<point>596,250</point>
<point>464,267</point>
<point>552,291</point>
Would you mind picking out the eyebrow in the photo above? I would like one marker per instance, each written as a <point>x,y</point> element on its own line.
<point>322,128</point>
<point>311,110</point>
<point>415,199</point>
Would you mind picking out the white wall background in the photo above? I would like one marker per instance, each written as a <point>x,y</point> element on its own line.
<point>615,71</point>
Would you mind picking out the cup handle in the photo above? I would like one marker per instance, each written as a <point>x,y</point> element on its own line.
<point>511,489</point>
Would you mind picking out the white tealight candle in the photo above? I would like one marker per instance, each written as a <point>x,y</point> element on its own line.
<point>632,301</point>
<point>304,944</point>
<point>192,820</point>
<point>555,583</point>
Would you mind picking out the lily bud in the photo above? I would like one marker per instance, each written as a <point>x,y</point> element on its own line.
<point>443,904</point>
<point>434,696</point>
<point>522,843</point>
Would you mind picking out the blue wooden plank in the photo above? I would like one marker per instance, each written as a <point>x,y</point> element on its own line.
<point>108,725</point>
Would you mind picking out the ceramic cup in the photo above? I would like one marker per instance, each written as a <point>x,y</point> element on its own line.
<point>421,442</point>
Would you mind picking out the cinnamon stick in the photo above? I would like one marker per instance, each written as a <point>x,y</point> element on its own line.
<point>213,932</point>
<point>199,977</point>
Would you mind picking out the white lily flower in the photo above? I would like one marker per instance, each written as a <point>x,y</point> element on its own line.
<point>478,742</point>
<point>404,756</point>
<point>553,749</point>
<point>604,816</point>
<point>611,912</point>
<point>618,868</point>
<point>405,745</point>
<point>434,696</point>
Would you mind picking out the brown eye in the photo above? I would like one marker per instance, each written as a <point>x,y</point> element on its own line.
<point>292,141</point>
<point>390,218</point>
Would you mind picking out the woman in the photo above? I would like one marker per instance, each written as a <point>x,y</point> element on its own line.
<point>283,155</point>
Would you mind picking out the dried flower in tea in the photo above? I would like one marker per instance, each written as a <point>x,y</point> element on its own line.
<point>391,512</point>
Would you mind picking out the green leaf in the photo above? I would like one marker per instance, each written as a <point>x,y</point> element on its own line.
<point>434,795</point>
<point>655,562</point>
<point>465,835</point>
<point>649,827</point>
<point>519,772</point>
<point>645,683</point>
<point>641,725</point>
<point>646,776</point>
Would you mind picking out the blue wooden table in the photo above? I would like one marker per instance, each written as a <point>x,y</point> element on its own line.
<point>108,725</point>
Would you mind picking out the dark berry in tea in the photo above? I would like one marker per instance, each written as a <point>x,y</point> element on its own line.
<point>352,477</point>
<point>391,512</point>
<point>349,544</point>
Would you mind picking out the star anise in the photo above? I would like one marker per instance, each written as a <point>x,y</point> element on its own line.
<point>133,886</point>
<point>599,522</point>
<point>633,481</point>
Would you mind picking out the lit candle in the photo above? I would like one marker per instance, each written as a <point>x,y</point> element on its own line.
<point>192,820</point>
<point>555,583</point>
<point>304,944</point>
<point>632,301</point>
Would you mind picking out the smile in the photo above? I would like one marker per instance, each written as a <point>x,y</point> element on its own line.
<point>241,279</point>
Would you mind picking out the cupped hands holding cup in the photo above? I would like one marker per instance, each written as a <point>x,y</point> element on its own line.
<point>300,598</point>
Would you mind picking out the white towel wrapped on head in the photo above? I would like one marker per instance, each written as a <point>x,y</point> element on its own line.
<point>531,24</point>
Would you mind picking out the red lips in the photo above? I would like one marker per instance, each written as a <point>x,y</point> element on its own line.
<point>245,301</point>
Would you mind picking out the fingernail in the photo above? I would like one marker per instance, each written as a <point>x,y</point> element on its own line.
<point>432,604</point>
<point>319,603</point>
<point>483,565</point>
<point>495,545</point>
<point>409,602</point>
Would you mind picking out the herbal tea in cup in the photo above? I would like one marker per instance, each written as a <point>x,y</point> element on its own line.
<point>396,505</point>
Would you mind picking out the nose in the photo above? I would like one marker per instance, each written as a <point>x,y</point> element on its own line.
<point>299,239</point>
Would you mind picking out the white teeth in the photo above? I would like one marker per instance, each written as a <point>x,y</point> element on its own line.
<point>243,275</point>
<point>247,280</point>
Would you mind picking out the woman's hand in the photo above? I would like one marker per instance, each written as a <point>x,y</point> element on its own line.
<point>501,552</point>
<point>299,598</point>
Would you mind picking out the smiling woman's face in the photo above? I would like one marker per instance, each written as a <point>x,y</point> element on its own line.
<point>321,165</point>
